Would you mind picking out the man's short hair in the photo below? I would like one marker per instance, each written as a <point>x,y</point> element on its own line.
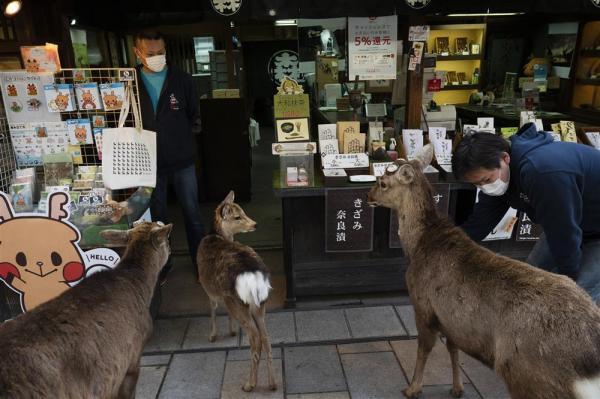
<point>479,150</point>
<point>147,34</point>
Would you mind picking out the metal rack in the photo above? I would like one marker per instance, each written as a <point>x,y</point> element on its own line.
<point>7,156</point>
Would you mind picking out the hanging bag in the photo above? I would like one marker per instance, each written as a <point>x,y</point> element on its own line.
<point>128,153</point>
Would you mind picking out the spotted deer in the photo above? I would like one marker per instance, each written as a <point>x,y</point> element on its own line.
<point>539,331</point>
<point>87,342</point>
<point>234,274</point>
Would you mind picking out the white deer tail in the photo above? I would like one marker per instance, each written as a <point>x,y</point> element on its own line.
<point>252,288</point>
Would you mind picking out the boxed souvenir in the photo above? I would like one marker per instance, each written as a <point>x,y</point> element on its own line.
<point>22,197</point>
<point>58,169</point>
<point>297,170</point>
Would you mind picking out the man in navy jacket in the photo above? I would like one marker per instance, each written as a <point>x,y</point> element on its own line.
<point>556,184</point>
<point>169,105</point>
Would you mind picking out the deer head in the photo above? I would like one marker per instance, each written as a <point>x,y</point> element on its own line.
<point>403,183</point>
<point>230,218</point>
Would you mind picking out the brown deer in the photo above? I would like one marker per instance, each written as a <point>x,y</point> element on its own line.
<point>87,342</point>
<point>537,330</point>
<point>234,274</point>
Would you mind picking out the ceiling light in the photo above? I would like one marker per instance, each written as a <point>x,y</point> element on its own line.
<point>272,12</point>
<point>487,14</point>
<point>286,22</point>
<point>12,7</point>
<point>73,22</point>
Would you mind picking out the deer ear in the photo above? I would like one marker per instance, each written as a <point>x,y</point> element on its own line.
<point>115,236</point>
<point>406,174</point>
<point>5,209</point>
<point>57,209</point>
<point>425,156</point>
<point>230,198</point>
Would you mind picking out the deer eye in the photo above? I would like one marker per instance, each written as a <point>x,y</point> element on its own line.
<point>383,185</point>
<point>56,258</point>
<point>21,259</point>
<point>238,218</point>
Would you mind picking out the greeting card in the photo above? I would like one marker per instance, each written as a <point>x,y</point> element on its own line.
<point>59,97</point>
<point>41,58</point>
<point>88,97</point>
<point>98,121</point>
<point>80,131</point>
<point>113,95</point>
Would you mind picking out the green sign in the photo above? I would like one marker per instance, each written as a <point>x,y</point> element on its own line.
<point>291,106</point>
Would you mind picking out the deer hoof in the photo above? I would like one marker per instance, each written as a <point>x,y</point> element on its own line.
<point>248,387</point>
<point>411,394</point>
<point>457,393</point>
<point>212,338</point>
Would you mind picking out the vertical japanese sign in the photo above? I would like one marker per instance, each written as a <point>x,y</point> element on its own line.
<point>372,47</point>
<point>441,197</point>
<point>348,220</point>
<point>527,230</point>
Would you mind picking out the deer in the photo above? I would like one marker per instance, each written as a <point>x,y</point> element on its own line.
<point>88,341</point>
<point>538,330</point>
<point>234,274</point>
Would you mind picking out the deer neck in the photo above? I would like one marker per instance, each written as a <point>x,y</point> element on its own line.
<point>226,234</point>
<point>410,231</point>
<point>143,257</point>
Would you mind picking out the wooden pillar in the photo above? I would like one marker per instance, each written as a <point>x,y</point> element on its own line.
<point>414,85</point>
<point>228,37</point>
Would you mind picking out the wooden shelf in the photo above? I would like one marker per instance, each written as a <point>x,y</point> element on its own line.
<point>459,87</point>
<point>594,82</point>
<point>590,53</point>
<point>459,57</point>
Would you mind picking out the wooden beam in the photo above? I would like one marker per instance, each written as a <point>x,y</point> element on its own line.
<point>414,85</point>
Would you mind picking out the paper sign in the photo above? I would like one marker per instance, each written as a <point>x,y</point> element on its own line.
<point>443,151</point>
<point>468,129</point>
<point>291,106</point>
<point>555,128</point>
<point>329,147</point>
<point>378,168</point>
<point>292,129</point>
<point>485,125</point>
<point>23,95</point>
<point>345,161</point>
<point>527,230</point>
<point>526,117</point>
<point>328,132</point>
<point>416,53</point>
<point>556,136</point>
<point>418,33</point>
<point>568,131</point>
<point>539,125</point>
<point>436,133</point>
<point>354,143</point>
<point>504,229</point>
<point>346,127</point>
<point>287,148</point>
<point>594,138</point>
<point>372,47</point>
<point>413,142</point>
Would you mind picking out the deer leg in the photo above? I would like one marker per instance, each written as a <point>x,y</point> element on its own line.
<point>242,314</point>
<point>232,331</point>
<point>426,341</point>
<point>264,336</point>
<point>127,388</point>
<point>457,386</point>
<point>213,320</point>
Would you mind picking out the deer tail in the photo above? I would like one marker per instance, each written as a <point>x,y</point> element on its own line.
<point>252,287</point>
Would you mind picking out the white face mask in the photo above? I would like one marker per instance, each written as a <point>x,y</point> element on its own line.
<point>156,63</point>
<point>497,187</point>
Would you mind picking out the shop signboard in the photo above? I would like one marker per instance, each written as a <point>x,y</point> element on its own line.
<point>348,220</point>
<point>372,47</point>
<point>442,202</point>
<point>291,106</point>
<point>527,230</point>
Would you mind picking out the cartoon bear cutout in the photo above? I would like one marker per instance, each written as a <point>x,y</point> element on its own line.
<point>39,257</point>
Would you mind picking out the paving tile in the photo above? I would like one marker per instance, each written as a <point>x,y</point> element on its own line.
<point>155,360</point>
<point>443,392</point>
<point>167,335</point>
<point>379,321</point>
<point>365,347</point>
<point>487,382</point>
<point>374,375</point>
<point>321,325</point>
<point>194,375</point>
<point>438,369</point>
<point>199,330</point>
<point>149,382</point>
<point>407,314</point>
<point>312,369</point>
<point>235,355</point>
<point>236,375</point>
<point>280,326</point>
<point>326,395</point>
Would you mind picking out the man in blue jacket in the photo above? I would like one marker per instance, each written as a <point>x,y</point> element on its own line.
<point>169,106</point>
<point>556,184</point>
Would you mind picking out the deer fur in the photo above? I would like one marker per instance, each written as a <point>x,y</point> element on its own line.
<point>537,330</point>
<point>234,274</point>
<point>87,342</point>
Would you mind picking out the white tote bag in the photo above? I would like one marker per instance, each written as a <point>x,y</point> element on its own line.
<point>128,153</point>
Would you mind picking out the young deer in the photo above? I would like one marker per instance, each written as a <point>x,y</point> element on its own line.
<point>234,274</point>
<point>87,342</point>
<point>537,330</point>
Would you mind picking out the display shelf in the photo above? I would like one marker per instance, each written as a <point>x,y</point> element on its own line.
<point>459,87</point>
<point>458,57</point>
<point>590,53</point>
<point>594,82</point>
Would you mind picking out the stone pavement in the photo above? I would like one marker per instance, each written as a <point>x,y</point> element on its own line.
<point>360,352</point>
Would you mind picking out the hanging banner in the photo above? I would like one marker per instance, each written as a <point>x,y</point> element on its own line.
<point>372,47</point>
